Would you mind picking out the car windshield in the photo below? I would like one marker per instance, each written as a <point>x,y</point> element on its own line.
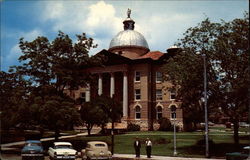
<point>100,145</point>
<point>63,146</point>
<point>33,144</point>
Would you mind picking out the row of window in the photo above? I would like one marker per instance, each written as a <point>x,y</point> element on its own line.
<point>158,76</point>
<point>158,94</point>
<point>158,112</point>
<point>138,95</point>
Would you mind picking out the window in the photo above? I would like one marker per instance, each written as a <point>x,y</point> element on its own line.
<point>137,94</point>
<point>173,111</point>
<point>100,145</point>
<point>137,112</point>
<point>137,76</point>
<point>83,96</point>
<point>158,77</point>
<point>158,94</point>
<point>172,95</point>
<point>159,112</point>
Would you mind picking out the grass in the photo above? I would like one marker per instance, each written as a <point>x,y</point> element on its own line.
<point>187,142</point>
<point>163,143</point>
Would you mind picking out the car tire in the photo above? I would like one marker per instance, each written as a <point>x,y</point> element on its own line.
<point>88,158</point>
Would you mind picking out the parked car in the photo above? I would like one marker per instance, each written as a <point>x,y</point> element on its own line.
<point>32,150</point>
<point>245,154</point>
<point>62,150</point>
<point>96,150</point>
<point>243,124</point>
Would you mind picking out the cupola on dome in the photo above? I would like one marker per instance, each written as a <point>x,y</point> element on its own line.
<point>129,42</point>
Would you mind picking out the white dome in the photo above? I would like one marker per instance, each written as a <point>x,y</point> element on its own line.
<point>128,38</point>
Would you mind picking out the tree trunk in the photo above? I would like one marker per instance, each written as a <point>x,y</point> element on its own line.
<point>236,131</point>
<point>41,130</point>
<point>112,138</point>
<point>103,129</point>
<point>57,134</point>
<point>89,127</point>
<point>195,126</point>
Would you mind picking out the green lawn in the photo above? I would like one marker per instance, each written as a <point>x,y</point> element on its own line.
<point>163,143</point>
<point>187,145</point>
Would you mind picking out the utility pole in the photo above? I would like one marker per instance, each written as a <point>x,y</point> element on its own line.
<point>205,104</point>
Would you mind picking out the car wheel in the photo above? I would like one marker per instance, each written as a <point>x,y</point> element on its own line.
<point>88,158</point>
<point>84,158</point>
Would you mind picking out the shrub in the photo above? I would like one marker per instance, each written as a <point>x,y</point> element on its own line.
<point>202,142</point>
<point>162,140</point>
<point>133,127</point>
<point>32,136</point>
<point>228,125</point>
<point>176,127</point>
<point>200,126</point>
<point>165,124</point>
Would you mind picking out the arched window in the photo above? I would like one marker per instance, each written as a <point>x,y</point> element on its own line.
<point>173,111</point>
<point>158,112</point>
<point>137,112</point>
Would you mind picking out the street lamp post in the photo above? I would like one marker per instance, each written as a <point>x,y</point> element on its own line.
<point>173,110</point>
<point>175,153</point>
<point>205,103</point>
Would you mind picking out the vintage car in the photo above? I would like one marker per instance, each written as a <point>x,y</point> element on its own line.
<point>32,150</point>
<point>62,150</point>
<point>96,150</point>
<point>245,154</point>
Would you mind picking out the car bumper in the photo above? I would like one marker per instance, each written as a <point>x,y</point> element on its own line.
<point>100,158</point>
<point>65,157</point>
<point>32,156</point>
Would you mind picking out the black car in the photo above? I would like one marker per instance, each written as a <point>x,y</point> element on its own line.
<point>32,150</point>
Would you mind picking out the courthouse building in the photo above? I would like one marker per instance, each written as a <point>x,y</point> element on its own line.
<point>133,73</point>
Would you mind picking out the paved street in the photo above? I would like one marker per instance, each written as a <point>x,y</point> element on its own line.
<point>143,157</point>
<point>116,156</point>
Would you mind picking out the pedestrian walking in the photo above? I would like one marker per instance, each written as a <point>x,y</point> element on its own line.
<point>148,147</point>
<point>137,146</point>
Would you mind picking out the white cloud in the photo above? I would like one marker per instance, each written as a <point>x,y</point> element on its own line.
<point>56,12</point>
<point>29,36</point>
<point>98,20</point>
<point>15,51</point>
<point>165,29</point>
<point>101,20</point>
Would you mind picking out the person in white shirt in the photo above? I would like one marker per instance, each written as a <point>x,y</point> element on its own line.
<point>148,147</point>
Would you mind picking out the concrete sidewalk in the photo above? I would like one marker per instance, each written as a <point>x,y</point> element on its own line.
<point>144,157</point>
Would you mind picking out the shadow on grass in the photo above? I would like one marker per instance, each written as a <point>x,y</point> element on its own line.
<point>215,150</point>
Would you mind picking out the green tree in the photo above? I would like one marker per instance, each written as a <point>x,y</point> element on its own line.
<point>92,114</point>
<point>13,94</point>
<point>185,71</point>
<point>57,63</point>
<point>58,113</point>
<point>113,109</point>
<point>51,67</point>
<point>226,48</point>
<point>231,57</point>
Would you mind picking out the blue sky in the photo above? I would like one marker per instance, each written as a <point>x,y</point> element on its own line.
<point>161,22</point>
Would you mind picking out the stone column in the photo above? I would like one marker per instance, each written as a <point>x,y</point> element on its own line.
<point>125,94</point>
<point>88,93</point>
<point>100,85</point>
<point>112,85</point>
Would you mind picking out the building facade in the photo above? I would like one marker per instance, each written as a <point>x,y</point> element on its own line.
<point>133,73</point>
